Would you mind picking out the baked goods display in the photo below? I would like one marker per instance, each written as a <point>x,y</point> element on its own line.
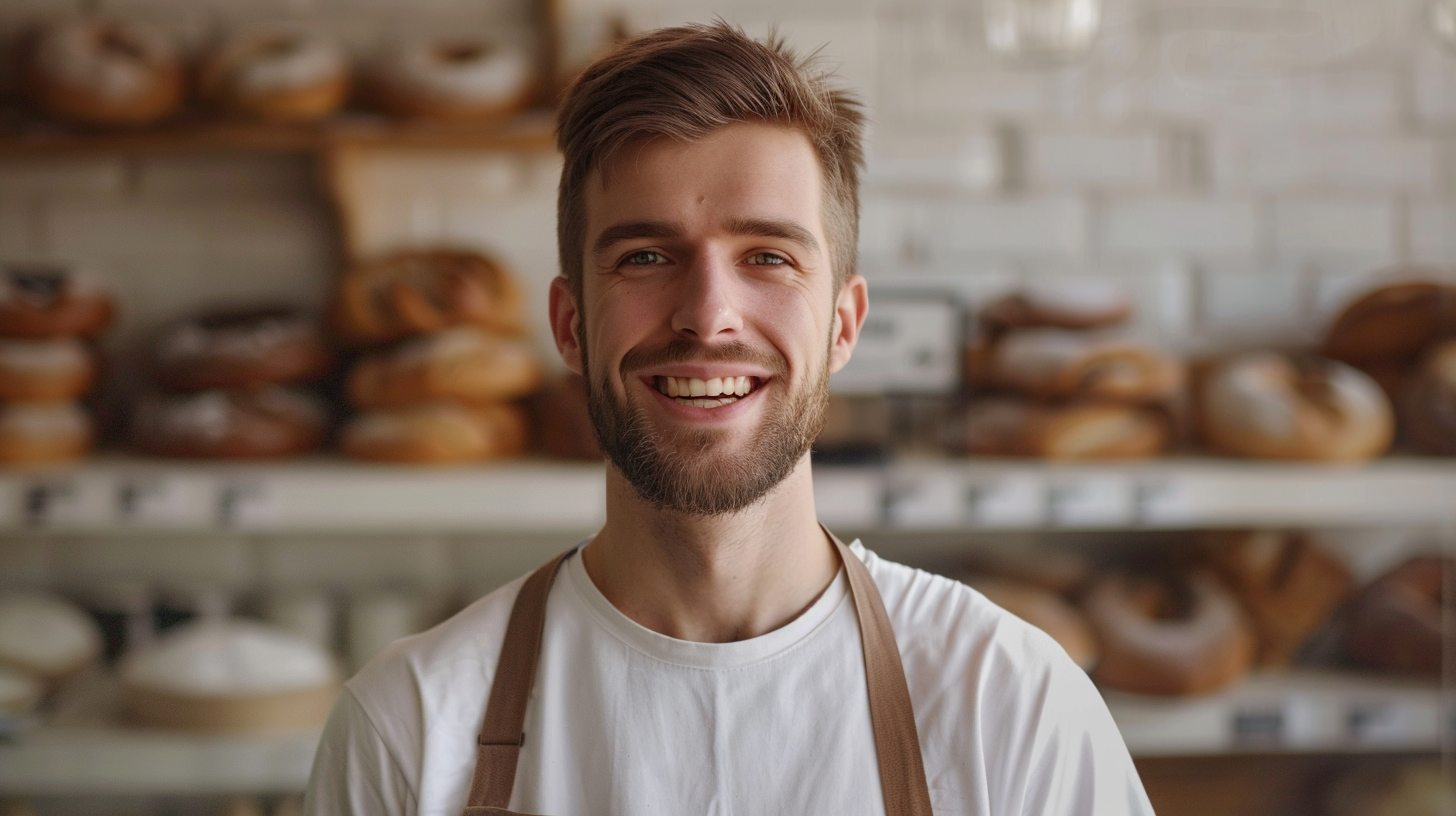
<point>1428,401</point>
<point>1267,405</point>
<point>1396,623</point>
<point>241,349</point>
<point>447,390</point>
<point>463,364</point>
<point>1010,426</point>
<point>48,317</point>
<point>1288,585</point>
<point>104,73</point>
<point>265,423</point>
<point>454,78</point>
<point>436,433</point>
<point>229,675</point>
<point>1046,611</point>
<point>1060,390</point>
<point>1168,636</point>
<point>276,76</point>
<point>413,293</point>
<point>561,425</point>
<point>45,636</point>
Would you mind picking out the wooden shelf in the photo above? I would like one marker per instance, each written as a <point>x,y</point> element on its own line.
<point>530,131</point>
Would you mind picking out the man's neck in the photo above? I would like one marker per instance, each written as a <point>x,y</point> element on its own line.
<point>712,579</point>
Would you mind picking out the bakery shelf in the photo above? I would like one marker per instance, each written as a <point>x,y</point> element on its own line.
<point>119,494</point>
<point>531,131</point>
<point>83,750</point>
<point>1299,712</point>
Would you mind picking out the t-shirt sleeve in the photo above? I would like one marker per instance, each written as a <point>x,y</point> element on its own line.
<point>1080,764</point>
<point>354,772</point>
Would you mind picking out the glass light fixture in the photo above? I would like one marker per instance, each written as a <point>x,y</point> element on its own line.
<point>1044,29</point>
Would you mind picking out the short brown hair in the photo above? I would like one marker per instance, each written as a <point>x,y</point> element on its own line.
<point>686,82</point>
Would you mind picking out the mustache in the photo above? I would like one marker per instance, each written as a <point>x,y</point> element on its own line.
<point>687,351</point>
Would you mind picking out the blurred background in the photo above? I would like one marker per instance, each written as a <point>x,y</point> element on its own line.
<point>1161,356</point>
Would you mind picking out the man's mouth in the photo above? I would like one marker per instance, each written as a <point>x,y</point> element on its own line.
<point>713,393</point>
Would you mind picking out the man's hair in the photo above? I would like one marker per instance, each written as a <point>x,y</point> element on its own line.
<point>684,83</point>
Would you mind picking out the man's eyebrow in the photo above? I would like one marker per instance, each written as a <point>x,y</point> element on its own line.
<point>774,228</point>
<point>635,229</point>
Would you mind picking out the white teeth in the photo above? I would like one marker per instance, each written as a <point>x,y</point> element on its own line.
<point>692,388</point>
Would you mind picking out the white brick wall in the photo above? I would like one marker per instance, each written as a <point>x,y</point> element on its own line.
<point>1252,165</point>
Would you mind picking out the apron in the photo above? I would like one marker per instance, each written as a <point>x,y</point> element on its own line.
<point>897,743</point>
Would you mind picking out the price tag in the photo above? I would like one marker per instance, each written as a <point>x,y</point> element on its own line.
<point>1010,501</point>
<point>247,504</point>
<point>67,502</point>
<point>1094,501</point>
<point>1168,502</point>
<point>1260,726</point>
<point>156,500</point>
<point>907,346</point>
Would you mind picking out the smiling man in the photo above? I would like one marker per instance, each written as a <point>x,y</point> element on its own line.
<point>712,649</point>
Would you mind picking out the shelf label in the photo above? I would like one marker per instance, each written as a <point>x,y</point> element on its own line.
<point>1167,502</point>
<point>70,501</point>
<point>1258,726</point>
<point>1018,500</point>
<point>247,504</point>
<point>1094,501</point>
<point>158,500</point>
<point>907,346</point>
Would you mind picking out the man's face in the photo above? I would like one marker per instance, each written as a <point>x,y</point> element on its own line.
<point>709,321</point>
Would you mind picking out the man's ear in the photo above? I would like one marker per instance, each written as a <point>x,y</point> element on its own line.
<point>849,316</point>
<point>566,323</point>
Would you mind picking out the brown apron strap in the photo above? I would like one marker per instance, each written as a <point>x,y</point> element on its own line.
<point>897,741</point>
<point>498,747</point>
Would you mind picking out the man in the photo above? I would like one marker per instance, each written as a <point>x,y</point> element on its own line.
<point>712,649</point>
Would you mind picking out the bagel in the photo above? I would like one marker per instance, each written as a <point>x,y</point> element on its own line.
<point>266,423</point>
<point>436,433</point>
<point>1267,406</point>
<point>102,73</point>
<point>41,302</point>
<point>463,364</point>
<point>241,349</point>
<point>276,76</point>
<point>1168,637</point>
<point>452,79</point>
<point>1013,427</point>
<point>414,293</point>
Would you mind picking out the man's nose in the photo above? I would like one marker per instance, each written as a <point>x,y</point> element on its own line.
<point>707,298</point>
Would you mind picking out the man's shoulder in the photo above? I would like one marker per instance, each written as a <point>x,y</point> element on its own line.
<point>457,656</point>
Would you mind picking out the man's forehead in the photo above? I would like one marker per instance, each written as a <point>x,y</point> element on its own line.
<point>635,153</point>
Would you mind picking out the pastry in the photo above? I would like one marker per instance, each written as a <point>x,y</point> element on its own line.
<point>45,636</point>
<point>1171,637</point>
<point>229,675</point>
<point>1061,364</point>
<point>241,349</point>
<point>1392,323</point>
<point>452,79</point>
<point>561,425</point>
<point>1013,427</point>
<point>1267,406</point>
<point>1428,402</point>
<point>45,370</point>
<point>39,302</point>
<point>1046,611</point>
<point>107,74</point>
<point>1288,586</point>
<point>267,423</point>
<point>1067,304</point>
<point>1396,623</point>
<point>276,76</point>
<point>44,432</point>
<point>413,293</point>
<point>463,364</point>
<point>436,433</point>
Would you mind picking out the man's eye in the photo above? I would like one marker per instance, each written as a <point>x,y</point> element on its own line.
<point>644,257</point>
<point>766,259</point>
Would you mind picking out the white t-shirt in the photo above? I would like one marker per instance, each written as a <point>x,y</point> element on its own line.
<point>623,720</point>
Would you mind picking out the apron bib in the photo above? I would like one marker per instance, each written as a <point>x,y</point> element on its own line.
<point>897,743</point>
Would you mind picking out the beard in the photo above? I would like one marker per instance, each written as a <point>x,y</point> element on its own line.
<point>687,470</point>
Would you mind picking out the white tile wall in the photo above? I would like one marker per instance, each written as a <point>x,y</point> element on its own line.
<point>1335,226</point>
<point>1183,224</point>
